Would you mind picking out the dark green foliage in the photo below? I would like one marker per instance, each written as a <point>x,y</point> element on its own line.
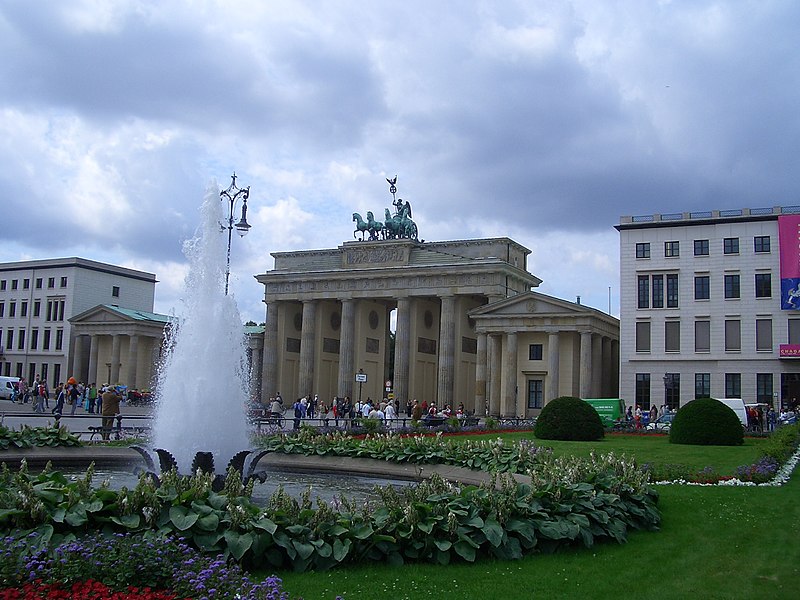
<point>33,437</point>
<point>568,418</point>
<point>706,422</point>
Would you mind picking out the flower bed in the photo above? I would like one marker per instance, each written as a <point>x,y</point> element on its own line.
<point>569,501</point>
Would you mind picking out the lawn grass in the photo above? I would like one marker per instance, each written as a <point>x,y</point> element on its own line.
<point>656,449</point>
<point>714,543</point>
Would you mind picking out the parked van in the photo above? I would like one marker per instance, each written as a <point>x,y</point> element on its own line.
<point>737,406</point>
<point>609,409</point>
<point>7,386</point>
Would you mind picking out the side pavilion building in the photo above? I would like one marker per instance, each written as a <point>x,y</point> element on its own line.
<point>468,328</point>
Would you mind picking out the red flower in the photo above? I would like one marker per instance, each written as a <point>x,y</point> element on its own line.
<point>81,590</point>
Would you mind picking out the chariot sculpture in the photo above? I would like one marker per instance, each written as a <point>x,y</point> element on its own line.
<point>394,226</point>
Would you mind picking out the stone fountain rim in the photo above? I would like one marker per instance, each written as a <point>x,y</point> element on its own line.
<point>114,456</point>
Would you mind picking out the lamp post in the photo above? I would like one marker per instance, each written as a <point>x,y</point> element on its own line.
<point>232,194</point>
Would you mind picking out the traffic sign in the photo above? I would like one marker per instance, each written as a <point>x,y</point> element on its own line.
<point>361,377</point>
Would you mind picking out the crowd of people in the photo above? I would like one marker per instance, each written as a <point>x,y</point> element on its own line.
<point>74,394</point>
<point>344,408</point>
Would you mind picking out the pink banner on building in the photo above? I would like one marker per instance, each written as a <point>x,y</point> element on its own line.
<point>790,351</point>
<point>789,239</point>
<point>789,242</point>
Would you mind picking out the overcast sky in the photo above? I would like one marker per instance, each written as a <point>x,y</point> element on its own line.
<point>543,121</point>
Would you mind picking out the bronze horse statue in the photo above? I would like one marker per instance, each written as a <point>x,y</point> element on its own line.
<point>361,226</point>
<point>375,228</point>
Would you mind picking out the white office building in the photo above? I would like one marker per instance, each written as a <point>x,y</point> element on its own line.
<point>703,312</point>
<point>39,297</point>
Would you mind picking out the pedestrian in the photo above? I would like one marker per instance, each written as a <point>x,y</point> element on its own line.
<point>75,396</point>
<point>298,413</point>
<point>110,408</point>
<point>61,396</point>
<point>92,397</point>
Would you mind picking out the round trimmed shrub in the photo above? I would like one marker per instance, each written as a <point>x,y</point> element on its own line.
<point>706,422</point>
<point>568,418</point>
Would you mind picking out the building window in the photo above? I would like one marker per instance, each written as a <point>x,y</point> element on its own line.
<point>535,352</point>
<point>764,388</point>
<point>702,385</point>
<point>643,390</point>
<point>115,291</point>
<point>672,291</point>
<point>672,249</point>
<point>702,287</point>
<point>2,309</point>
<point>732,286</point>
<point>9,339</point>
<point>23,309</point>
<point>26,284</point>
<point>730,246</point>
<point>12,310</point>
<point>38,283</point>
<point>702,336</point>
<point>46,340</point>
<point>59,339</point>
<point>764,335</point>
<point>14,284</point>
<point>733,337</point>
<point>763,285</point>
<point>21,340</point>
<point>701,247</point>
<point>733,385</point>
<point>535,393</point>
<point>51,282</point>
<point>37,308</point>
<point>761,243</point>
<point>643,284</point>
<point>34,339</point>
<point>63,282</point>
<point>643,250</point>
<point>672,390</point>
<point>643,336</point>
<point>672,336</point>
<point>3,285</point>
<point>658,291</point>
<point>794,331</point>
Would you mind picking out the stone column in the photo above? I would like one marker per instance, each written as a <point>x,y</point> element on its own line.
<point>402,350</point>
<point>115,352</point>
<point>308,337</point>
<point>347,348</point>
<point>133,359</point>
<point>508,405</point>
<point>77,358</point>
<point>585,367</point>
<point>447,332</point>
<point>94,349</point>
<point>495,380</point>
<point>597,366</point>
<point>257,355</point>
<point>269,363</point>
<point>553,363</point>
<point>606,377</point>
<point>480,377</point>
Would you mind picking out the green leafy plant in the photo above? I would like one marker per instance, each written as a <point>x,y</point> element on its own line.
<point>32,437</point>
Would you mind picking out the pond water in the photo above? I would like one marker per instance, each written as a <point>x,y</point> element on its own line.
<point>325,486</point>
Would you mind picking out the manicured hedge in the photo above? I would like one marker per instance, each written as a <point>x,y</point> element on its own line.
<point>568,418</point>
<point>706,422</point>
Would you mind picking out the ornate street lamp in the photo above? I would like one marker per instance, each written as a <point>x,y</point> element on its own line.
<point>232,194</point>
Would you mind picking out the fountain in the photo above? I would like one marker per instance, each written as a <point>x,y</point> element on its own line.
<point>203,379</point>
